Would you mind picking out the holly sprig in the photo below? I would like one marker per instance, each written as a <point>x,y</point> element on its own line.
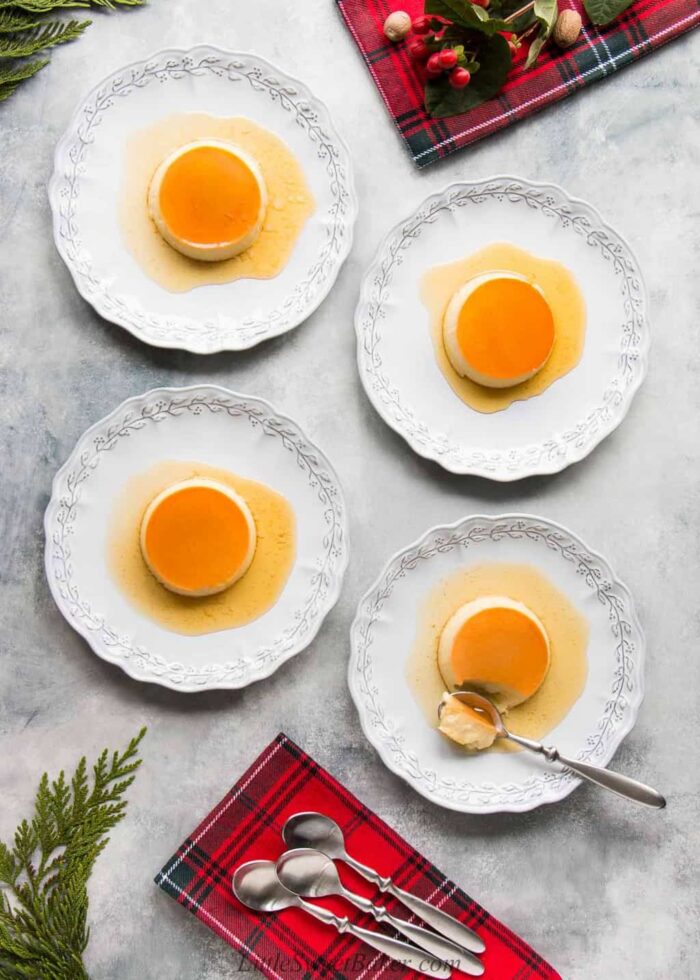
<point>44,871</point>
<point>29,28</point>
<point>466,48</point>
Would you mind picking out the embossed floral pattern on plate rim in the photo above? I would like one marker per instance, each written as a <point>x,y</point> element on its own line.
<point>172,330</point>
<point>153,408</point>
<point>622,702</point>
<point>561,449</point>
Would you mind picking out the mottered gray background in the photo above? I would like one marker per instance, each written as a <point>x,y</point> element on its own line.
<point>599,887</point>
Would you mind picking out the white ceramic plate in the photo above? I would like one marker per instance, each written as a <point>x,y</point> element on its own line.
<point>84,196</point>
<point>395,355</point>
<point>384,631</point>
<point>219,427</point>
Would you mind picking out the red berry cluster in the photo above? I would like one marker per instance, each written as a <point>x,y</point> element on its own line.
<point>427,31</point>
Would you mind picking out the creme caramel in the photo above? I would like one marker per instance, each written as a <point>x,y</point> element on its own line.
<point>498,330</point>
<point>253,595</point>
<point>198,537</point>
<point>495,645</point>
<point>290,201</point>
<point>208,200</point>
<point>440,287</point>
<point>566,628</point>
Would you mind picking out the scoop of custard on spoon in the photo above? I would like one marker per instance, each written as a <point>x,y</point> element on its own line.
<point>488,717</point>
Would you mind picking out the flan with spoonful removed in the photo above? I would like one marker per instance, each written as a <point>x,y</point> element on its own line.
<point>495,645</point>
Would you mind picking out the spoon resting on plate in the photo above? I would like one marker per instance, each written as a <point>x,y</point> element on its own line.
<point>614,781</point>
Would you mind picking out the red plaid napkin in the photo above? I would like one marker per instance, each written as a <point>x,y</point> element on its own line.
<point>598,53</point>
<point>247,824</point>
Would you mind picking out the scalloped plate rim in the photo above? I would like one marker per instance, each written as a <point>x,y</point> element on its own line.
<point>125,665</point>
<point>566,786</point>
<point>501,476</point>
<point>56,179</point>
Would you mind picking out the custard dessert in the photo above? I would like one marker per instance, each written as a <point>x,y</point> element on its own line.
<point>506,631</point>
<point>498,330</point>
<point>464,725</point>
<point>198,549</point>
<point>497,646</point>
<point>504,324</point>
<point>198,537</point>
<point>208,200</point>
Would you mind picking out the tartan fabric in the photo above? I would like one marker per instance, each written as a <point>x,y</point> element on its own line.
<point>247,824</point>
<point>598,53</point>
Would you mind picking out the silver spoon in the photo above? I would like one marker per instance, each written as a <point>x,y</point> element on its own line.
<point>320,832</point>
<point>256,885</point>
<point>312,874</point>
<point>614,781</point>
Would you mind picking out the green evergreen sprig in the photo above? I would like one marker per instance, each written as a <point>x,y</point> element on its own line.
<point>48,6</point>
<point>15,22</point>
<point>29,41</point>
<point>45,870</point>
<point>28,28</point>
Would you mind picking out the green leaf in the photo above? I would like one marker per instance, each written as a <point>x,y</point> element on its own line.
<point>494,57</point>
<point>503,9</point>
<point>466,15</point>
<point>546,12</point>
<point>535,47</point>
<point>601,12</point>
<point>41,38</point>
<point>458,11</point>
<point>522,22</point>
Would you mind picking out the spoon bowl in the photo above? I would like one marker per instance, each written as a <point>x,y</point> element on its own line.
<point>314,830</point>
<point>256,885</point>
<point>308,872</point>
<point>486,707</point>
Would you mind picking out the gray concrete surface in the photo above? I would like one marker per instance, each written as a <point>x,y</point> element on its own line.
<point>600,888</point>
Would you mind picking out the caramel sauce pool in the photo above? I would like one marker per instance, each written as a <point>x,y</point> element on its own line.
<point>566,627</point>
<point>245,600</point>
<point>290,202</point>
<point>561,292</point>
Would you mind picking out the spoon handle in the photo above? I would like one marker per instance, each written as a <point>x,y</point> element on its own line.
<point>617,783</point>
<point>443,923</point>
<point>443,948</point>
<point>614,781</point>
<point>395,949</point>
